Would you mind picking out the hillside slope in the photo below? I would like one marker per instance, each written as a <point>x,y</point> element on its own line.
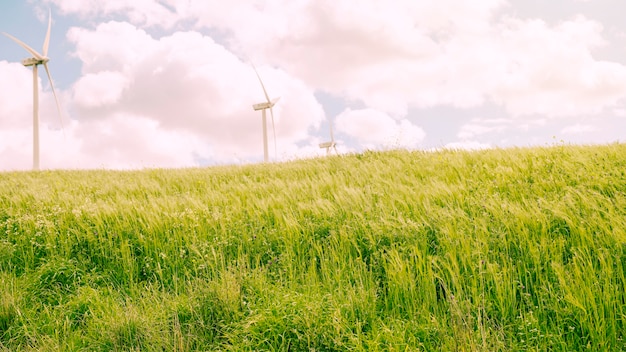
<point>516,249</point>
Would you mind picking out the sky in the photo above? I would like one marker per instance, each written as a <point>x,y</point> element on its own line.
<point>170,83</point>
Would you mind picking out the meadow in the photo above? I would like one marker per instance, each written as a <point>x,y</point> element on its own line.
<point>497,250</point>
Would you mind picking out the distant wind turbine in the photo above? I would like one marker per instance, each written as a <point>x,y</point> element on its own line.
<point>264,106</point>
<point>330,144</point>
<point>38,59</point>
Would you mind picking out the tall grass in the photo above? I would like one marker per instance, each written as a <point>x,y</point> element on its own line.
<point>498,250</point>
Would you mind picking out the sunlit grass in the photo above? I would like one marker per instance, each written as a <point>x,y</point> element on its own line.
<point>517,249</point>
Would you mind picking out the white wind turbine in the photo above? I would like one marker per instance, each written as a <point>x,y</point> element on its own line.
<point>264,106</point>
<point>38,59</point>
<point>330,144</point>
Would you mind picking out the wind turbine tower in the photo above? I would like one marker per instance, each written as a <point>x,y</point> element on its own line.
<point>36,60</point>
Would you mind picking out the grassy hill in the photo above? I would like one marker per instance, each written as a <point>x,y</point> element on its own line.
<point>511,250</point>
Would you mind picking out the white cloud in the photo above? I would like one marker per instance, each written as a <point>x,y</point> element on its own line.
<point>375,129</point>
<point>389,57</point>
<point>16,116</point>
<point>171,101</point>
<point>15,149</point>
<point>147,13</point>
<point>551,70</point>
<point>177,71</point>
<point>479,127</point>
<point>123,141</point>
<point>186,82</point>
<point>578,129</point>
<point>467,145</point>
<point>97,89</point>
<point>16,96</point>
<point>112,46</point>
<point>407,54</point>
<point>621,112</point>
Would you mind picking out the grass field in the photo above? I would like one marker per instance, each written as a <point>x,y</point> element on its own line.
<point>497,250</point>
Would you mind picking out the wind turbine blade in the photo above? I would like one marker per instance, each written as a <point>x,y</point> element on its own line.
<point>332,137</point>
<point>274,131</point>
<point>46,42</point>
<point>55,97</point>
<point>262,85</point>
<point>25,46</point>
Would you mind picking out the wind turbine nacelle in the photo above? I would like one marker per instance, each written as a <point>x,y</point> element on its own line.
<point>327,145</point>
<point>32,61</point>
<point>262,106</point>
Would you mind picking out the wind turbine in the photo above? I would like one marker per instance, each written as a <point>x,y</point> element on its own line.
<point>36,60</point>
<point>263,107</point>
<point>330,144</point>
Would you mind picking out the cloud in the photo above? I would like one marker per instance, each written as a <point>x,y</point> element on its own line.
<point>176,75</point>
<point>551,70</point>
<point>149,13</point>
<point>374,129</point>
<point>394,57</point>
<point>16,116</point>
<point>467,145</point>
<point>188,83</point>
<point>123,141</point>
<point>388,57</point>
<point>578,129</point>
<point>478,127</point>
<point>621,112</point>
<point>97,89</point>
<point>16,97</point>
<point>391,57</point>
<point>179,100</point>
<point>112,46</point>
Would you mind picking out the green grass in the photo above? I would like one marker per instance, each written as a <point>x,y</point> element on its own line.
<point>497,250</point>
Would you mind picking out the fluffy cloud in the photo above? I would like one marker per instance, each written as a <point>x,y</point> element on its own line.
<point>173,101</point>
<point>176,75</point>
<point>551,70</point>
<point>392,57</point>
<point>16,108</point>
<point>578,129</point>
<point>16,121</point>
<point>388,57</point>
<point>186,82</point>
<point>147,13</point>
<point>478,127</point>
<point>372,129</point>
<point>467,145</point>
<point>94,90</point>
